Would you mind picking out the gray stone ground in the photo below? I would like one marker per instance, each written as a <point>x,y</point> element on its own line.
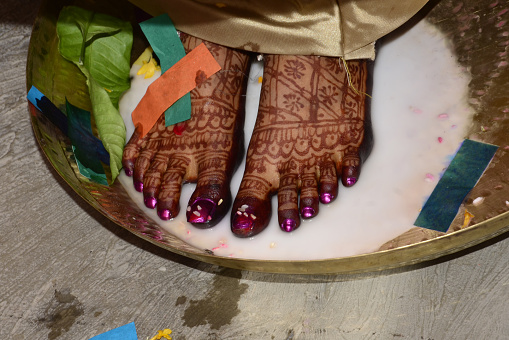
<point>66,272</point>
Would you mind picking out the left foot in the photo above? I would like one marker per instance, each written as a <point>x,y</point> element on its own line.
<point>312,128</point>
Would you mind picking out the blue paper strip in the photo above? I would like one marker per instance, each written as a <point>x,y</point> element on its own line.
<point>49,109</point>
<point>460,177</point>
<point>126,332</point>
<point>164,40</point>
<point>88,150</point>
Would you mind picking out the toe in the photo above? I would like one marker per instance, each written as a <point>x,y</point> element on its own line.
<point>351,167</point>
<point>141,166</point>
<point>152,178</point>
<point>309,201</point>
<point>250,216</point>
<point>171,186</point>
<point>328,184</point>
<point>252,208</point>
<point>131,152</point>
<point>212,198</point>
<point>287,196</point>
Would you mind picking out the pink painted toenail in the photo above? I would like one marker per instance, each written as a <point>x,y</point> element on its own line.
<point>351,181</point>
<point>288,225</point>
<point>326,198</point>
<point>242,223</point>
<point>307,212</point>
<point>128,172</point>
<point>150,202</point>
<point>201,211</point>
<point>164,214</point>
<point>138,186</point>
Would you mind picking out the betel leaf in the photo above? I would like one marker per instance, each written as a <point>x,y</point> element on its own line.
<point>100,45</point>
<point>113,135</point>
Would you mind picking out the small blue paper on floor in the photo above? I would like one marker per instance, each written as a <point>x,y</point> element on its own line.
<point>459,179</point>
<point>126,332</point>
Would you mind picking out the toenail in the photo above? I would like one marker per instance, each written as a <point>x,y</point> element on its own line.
<point>164,214</point>
<point>138,186</point>
<point>128,172</point>
<point>288,225</point>
<point>326,198</point>
<point>307,212</point>
<point>150,202</point>
<point>350,181</point>
<point>243,223</point>
<point>201,211</point>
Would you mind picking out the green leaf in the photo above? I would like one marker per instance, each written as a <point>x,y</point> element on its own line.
<point>100,45</point>
<point>110,126</point>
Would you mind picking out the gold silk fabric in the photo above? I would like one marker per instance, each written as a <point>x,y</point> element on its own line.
<point>346,28</point>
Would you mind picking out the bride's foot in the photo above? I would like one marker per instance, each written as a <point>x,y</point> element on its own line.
<point>312,129</point>
<point>205,149</point>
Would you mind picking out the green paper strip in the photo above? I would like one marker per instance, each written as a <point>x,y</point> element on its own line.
<point>164,40</point>
<point>460,177</point>
<point>84,144</point>
<point>97,177</point>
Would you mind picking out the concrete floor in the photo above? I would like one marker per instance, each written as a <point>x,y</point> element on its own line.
<point>69,273</point>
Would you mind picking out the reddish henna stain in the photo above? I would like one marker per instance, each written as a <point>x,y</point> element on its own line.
<point>179,128</point>
<point>201,77</point>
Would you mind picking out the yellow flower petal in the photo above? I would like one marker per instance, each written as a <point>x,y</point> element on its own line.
<point>143,69</point>
<point>466,221</point>
<point>162,334</point>
<point>149,68</point>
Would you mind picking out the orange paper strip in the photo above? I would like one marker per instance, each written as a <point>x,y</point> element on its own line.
<point>181,78</point>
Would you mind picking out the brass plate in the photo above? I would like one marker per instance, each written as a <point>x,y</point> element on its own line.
<point>479,35</point>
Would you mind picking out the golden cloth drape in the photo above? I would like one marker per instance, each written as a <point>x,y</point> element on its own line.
<point>346,28</point>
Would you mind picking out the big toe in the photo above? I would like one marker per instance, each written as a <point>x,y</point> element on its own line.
<point>250,216</point>
<point>208,205</point>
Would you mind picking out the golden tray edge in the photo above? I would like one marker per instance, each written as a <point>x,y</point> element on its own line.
<point>56,148</point>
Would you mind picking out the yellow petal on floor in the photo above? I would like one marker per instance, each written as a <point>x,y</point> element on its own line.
<point>162,334</point>
<point>466,221</point>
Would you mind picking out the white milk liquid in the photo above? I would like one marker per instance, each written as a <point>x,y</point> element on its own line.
<point>420,116</point>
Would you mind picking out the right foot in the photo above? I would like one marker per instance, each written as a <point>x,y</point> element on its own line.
<point>205,149</point>
<point>312,128</point>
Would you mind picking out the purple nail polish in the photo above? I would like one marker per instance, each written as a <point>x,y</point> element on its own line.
<point>128,172</point>
<point>201,211</point>
<point>164,214</point>
<point>307,212</point>
<point>326,198</point>
<point>288,225</point>
<point>350,181</point>
<point>242,223</point>
<point>150,202</point>
<point>138,186</point>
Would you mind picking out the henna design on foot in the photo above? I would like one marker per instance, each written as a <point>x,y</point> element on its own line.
<point>206,149</point>
<point>312,129</point>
